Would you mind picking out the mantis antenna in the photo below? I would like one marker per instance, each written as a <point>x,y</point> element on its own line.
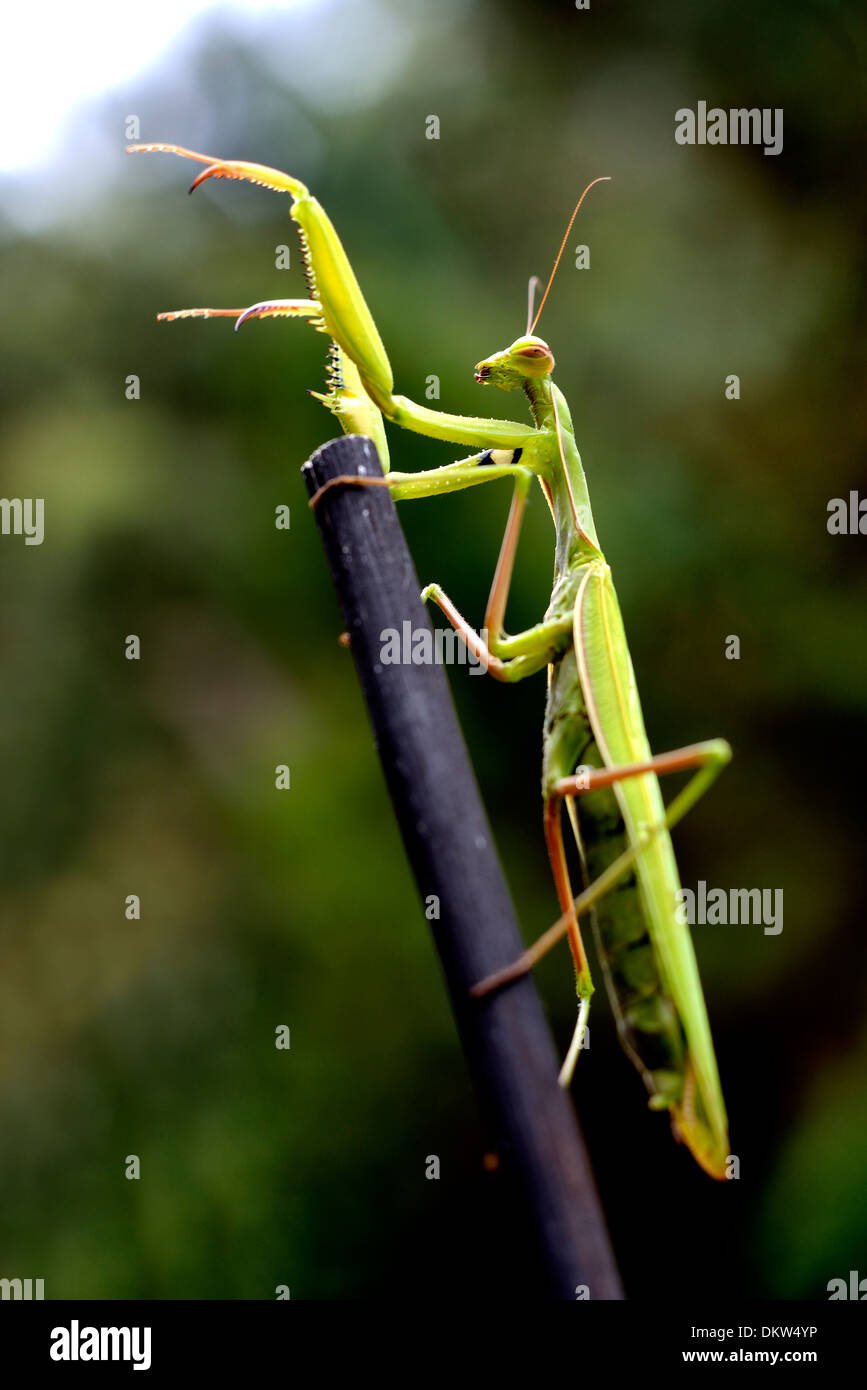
<point>603,178</point>
<point>532,287</point>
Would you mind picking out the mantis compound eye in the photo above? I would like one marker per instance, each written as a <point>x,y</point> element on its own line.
<point>533,357</point>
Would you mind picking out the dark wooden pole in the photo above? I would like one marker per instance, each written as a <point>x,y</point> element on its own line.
<point>448,840</point>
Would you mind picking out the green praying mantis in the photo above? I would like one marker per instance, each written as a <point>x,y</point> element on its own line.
<point>597,761</point>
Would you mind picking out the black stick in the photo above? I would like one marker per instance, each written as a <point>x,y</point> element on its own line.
<point>447,837</point>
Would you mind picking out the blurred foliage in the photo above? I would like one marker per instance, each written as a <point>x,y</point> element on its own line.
<point>156,1037</point>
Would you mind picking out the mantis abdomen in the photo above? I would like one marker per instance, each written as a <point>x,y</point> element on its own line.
<point>647,1020</point>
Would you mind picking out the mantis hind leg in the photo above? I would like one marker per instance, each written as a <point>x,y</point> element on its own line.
<point>708,760</point>
<point>553,819</point>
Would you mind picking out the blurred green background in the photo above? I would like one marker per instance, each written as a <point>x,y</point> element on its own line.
<point>259,908</point>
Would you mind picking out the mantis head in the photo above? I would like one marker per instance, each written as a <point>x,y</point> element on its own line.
<point>527,358</point>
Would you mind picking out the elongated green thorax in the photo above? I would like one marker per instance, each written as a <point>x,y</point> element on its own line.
<point>565,480</point>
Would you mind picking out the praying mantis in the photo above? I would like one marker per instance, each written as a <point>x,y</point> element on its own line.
<point>597,762</point>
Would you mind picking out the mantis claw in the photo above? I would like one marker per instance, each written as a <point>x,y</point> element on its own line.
<point>269,308</point>
<point>172,314</point>
<point>213,171</point>
<point>261,174</point>
<point>281,308</point>
<point>347,480</point>
<point>342,307</point>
